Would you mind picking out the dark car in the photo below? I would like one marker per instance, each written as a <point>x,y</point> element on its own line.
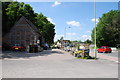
<point>104,49</point>
<point>18,47</point>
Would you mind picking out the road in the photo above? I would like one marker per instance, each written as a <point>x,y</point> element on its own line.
<point>56,64</point>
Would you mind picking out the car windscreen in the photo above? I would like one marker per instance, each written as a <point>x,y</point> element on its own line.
<point>17,44</point>
<point>105,47</point>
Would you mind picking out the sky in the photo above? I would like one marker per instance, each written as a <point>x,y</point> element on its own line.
<point>73,20</point>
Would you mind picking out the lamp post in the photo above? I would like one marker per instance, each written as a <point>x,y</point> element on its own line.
<point>65,35</point>
<point>95,29</point>
<point>65,32</point>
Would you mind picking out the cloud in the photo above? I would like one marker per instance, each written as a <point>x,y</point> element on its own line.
<point>73,23</point>
<point>88,31</point>
<point>85,37</point>
<point>71,34</point>
<point>56,3</point>
<point>57,37</point>
<point>51,20</point>
<point>93,20</point>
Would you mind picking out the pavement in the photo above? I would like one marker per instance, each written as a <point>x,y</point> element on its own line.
<point>55,64</point>
<point>44,55</point>
<point>109,56</point>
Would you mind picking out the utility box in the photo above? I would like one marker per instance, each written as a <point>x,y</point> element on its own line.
<point>32,49</point>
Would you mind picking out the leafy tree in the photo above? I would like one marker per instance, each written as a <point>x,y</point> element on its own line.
<point>108,29</point>
<point>15,10</point>
<point>74,41</point>
<point>77,41</point>
<point>5,25</point>
<point>80,41</point>
<point>88,41</point>
<point>12,12</point>
<point>45,27</point>
<point>62,38</point>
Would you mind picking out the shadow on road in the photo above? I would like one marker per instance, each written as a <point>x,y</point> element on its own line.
<point>18,54</point>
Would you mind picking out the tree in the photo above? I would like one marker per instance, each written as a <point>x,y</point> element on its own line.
<point>4,18</point>
<point>12,12</point>
<point>88,41</point>
<point>45,27</point>
<point>108,29</point>
<point>79,41</point>
<point>74,41</point>
<point>62,38</point>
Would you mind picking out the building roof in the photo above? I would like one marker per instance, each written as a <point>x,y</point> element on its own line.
<point>34,28</point>
<point>66,40</point>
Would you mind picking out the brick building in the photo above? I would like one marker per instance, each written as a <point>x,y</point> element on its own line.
<point>24,32</point>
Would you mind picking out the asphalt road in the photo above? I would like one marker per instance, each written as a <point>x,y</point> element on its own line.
<point>57,64</point>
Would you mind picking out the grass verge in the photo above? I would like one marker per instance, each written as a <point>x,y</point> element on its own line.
<point>89,57</point>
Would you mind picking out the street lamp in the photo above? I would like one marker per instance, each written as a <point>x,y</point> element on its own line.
<point>65,32</point>
<point>95,28</point>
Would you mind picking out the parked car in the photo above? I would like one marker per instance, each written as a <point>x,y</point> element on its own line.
<point>104,49</point>
<point>18,47</point>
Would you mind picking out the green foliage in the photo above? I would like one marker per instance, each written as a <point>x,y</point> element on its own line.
<point>45,27</point>
<point>94,47</point>
<point>78,46</point>
<point>5,20</point>
<point>118,48</point>
<point>13,11</point>
<point>74,41</point>
<point>77,41</point>
<point>88,41</point>
<point>108,30</point>
<point>87,57</point>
